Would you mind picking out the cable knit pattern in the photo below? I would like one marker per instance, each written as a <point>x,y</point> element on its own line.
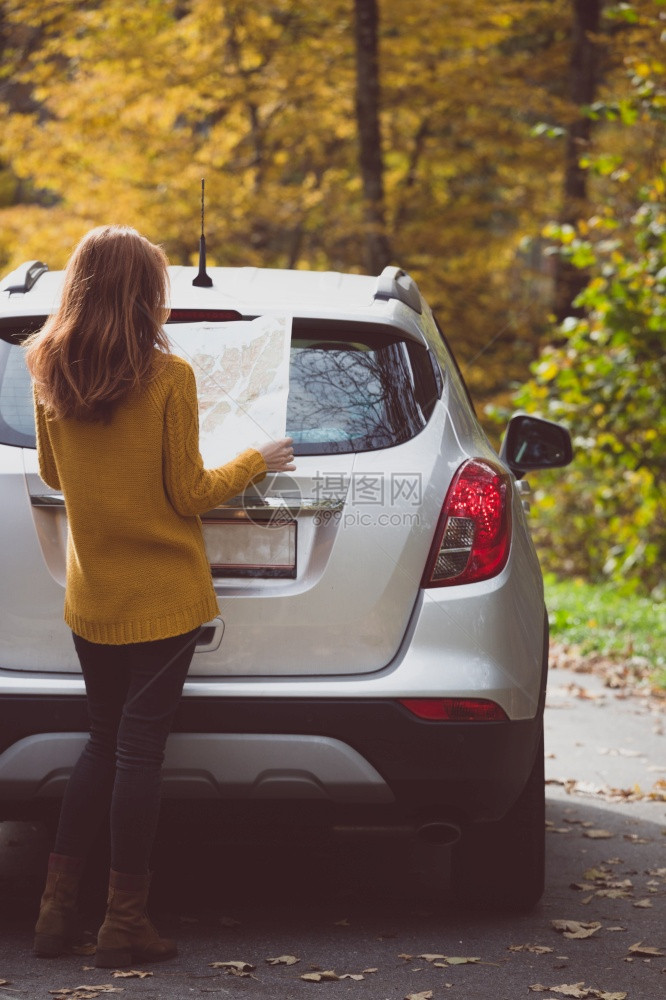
<point>47,466</point>
<point>137,568</point>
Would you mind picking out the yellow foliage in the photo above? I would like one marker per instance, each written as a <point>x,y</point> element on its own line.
<point>118,109</point>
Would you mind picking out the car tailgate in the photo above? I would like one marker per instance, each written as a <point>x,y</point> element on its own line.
<point>316,572</point>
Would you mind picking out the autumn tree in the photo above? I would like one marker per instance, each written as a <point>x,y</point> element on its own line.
<point>584,70</point>
<point>130,105</point>
<point>366,21</point>
<point>605,378</point>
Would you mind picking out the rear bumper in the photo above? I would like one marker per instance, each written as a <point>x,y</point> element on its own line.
<point>338,751</point>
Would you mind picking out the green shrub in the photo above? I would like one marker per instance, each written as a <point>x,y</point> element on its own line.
<point>604,619</point>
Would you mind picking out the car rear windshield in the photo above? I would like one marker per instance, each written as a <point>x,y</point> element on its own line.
<point>349,390</point>
<point>17,419</point>
<point>356,391</point>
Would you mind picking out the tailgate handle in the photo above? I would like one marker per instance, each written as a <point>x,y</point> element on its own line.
<point>210,636</point>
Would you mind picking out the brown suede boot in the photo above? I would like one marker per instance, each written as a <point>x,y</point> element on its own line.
<point>127,935</point>
<point>55,928</point>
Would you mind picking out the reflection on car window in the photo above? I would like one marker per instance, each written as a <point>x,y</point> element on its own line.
<point>350,395</point>
<point>17,419</point>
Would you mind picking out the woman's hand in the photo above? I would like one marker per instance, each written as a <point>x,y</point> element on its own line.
<point>278,455</point>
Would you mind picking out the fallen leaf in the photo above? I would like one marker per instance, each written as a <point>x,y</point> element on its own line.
<point>643,904</point>
<point>596,874</point>
<point>87,992</point>
<point>425,995</point>
<point>461,961</point>
<point>131,974</point>
<point>588,788</point>
<point>611,929</point>
<point>318,977</point>
<point>576,929</point>
<point>283,960</point>
<point>352,975</point>
<point>432,958</point>
<point>658,793</point>
<point>368,971</point>
<point>342,923</point>
<point>535,949</point>
<point>578,991</point>
<point>575,990</point>
<point>105,988</point>
<point>576,691</point>
<point>242,969</point>
<point>640,949</point>
<point>406,958</point>
<point>597,834</point>
<point>77,994</point>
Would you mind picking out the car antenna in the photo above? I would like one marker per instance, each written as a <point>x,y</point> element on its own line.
<point>202,279</point>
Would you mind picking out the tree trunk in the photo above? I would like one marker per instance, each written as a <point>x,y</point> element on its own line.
<point>378,252</point>
<point>584,76</point>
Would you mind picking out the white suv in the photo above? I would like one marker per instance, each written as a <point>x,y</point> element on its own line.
<point>381,648</point>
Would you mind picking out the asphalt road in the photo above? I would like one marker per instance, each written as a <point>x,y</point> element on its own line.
<point>374,910</point>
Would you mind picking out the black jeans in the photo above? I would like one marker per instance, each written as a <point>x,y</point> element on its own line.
<point>133,693</point>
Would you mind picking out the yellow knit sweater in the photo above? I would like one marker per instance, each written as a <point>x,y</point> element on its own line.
<point>136,564</point>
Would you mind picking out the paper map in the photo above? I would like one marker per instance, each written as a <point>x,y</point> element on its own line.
<point>242,374</point>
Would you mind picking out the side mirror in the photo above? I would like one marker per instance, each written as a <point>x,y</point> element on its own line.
<point>534,443</point>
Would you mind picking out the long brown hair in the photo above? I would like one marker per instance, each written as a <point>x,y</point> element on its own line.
<point>100,344</point>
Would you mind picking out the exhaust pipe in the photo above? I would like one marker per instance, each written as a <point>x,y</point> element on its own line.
<point>439,832</point>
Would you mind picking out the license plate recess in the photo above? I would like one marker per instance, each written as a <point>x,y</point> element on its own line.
<point>248,548</point>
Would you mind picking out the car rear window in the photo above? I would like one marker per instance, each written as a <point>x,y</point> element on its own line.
<point>17,419</point>
<point>348,391</point>
<point>356,391</point>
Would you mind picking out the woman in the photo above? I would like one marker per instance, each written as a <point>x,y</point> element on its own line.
<point>117,432</point>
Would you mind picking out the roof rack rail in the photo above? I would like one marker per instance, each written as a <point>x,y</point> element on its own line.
<point>27,274</point>
<point>394,283</point>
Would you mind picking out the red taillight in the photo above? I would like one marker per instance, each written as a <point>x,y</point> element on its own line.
<point>455,709</point>
<point>473,534</point>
